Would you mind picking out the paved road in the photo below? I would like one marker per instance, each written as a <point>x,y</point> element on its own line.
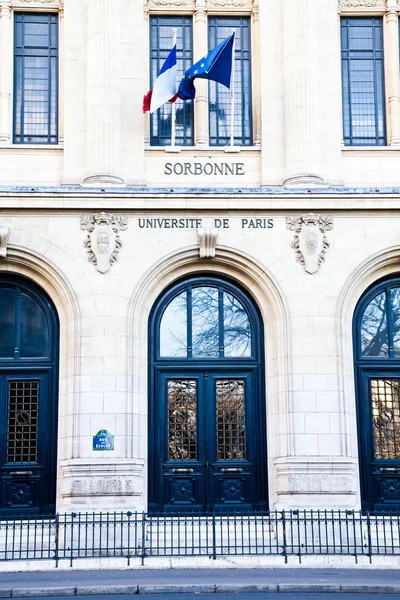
<point>235,596</point>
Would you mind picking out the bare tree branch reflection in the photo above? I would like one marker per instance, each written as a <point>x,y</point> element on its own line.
<point>374,332</point>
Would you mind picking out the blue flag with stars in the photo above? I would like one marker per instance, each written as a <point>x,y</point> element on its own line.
<point>217,66</point>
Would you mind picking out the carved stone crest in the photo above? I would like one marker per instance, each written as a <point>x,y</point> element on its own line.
<point>4,233</point>
<point>207,242</point>
<point>310,241</point>
<point>103,242</point>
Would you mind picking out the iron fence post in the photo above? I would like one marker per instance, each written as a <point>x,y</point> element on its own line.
<point>284,552</point>
<point>214,536</point>
<point>143,537</point>
<point>369,533</point>
<point>56,540</point>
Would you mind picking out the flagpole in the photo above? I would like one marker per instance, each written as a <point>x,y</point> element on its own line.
<point>233,92</point>
<point>173,116</point>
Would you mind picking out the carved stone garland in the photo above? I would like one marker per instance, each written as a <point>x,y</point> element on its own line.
<point>357,4</point>
<point>227,4</point>
<point>310,242</point>
<point>103,242</point>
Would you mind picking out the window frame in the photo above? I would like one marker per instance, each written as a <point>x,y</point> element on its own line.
<point>379,86</point>
<point>188,105</point>
<point>52,52</point>
<point>238,139</point>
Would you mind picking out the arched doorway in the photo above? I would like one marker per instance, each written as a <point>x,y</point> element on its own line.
<point>29,337</point>
<point>207,433</point>
<point>377,364</point>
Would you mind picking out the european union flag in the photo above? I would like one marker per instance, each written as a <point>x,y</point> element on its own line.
<point>217,65</point>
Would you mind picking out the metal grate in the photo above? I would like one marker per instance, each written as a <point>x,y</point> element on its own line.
<point>161,35</point>
<point>363,82</point>
<point>386,417</point>
<point>36,79</point>
<point>220,97</point>
<point>182,419</point>
<point>22,433</point>
<point>231,421</point>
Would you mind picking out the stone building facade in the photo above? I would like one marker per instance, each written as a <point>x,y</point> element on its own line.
<point>104,226</point>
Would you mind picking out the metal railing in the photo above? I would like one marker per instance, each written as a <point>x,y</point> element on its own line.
<point>142,536</point>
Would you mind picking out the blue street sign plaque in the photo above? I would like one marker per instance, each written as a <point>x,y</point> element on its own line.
<point>103,440</point>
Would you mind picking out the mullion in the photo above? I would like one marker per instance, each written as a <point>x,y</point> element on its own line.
<point>389,313</point>
<point>189,322</point>
<point>221,322</point>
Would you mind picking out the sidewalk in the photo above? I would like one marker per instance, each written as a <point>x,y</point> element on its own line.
<point>81,583</point>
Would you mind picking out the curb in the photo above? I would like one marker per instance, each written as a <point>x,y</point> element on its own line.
<point>190,588</point>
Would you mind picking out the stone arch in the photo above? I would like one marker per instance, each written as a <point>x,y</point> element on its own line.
<point>264,289</point>
<point>42,262</point>
<point>381,264</point>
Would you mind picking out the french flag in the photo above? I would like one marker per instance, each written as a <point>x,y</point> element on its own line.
<point>164,89</point>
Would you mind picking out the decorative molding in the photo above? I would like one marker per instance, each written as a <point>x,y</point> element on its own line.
<point>170,4</point>
<point>103,242</point>
<point>207,242</point>
<point>361,4</point>
<point>230,4</point>
<point>36,1</point>
<point>88,479</point>
<point>4,235</point>
<point>310,241</point>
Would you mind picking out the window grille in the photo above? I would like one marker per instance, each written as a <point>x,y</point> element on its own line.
<point>363,82</point>
<point>161,36</point>
<point>36,78</point>
<point>220,28</point>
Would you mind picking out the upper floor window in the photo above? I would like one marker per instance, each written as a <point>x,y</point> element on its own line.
<point>161,36</point>
<point>219,28</point>
<point>363,82</point>
<point>35,78</point>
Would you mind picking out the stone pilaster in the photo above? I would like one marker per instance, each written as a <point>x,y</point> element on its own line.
<point>256,61</point>
<point>392,78</point>
<point>103,93</point>
<point>301,93</point>
<point>200,36</point>
<point>61,75</point>
<point>5,72</point>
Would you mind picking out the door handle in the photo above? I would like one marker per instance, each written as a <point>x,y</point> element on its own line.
<point>22,473</point>
<point>182,470</point>
<point>232,470</point>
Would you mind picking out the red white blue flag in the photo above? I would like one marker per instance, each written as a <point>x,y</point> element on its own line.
<point>164,89</point>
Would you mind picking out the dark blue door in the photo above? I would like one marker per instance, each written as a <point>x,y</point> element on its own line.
<point>377,354</point>
<point>207,441</point>
<point>28,399</point>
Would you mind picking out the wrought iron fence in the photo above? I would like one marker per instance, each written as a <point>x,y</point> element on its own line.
<point>142,536</point>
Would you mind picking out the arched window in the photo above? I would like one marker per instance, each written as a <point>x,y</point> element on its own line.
<point>207,443</point>
<point>28,398</point>
<point>377,362</point>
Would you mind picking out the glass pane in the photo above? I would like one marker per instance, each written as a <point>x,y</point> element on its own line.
<point>205,323</point>
<point>22,431</point>
<point>173,330</point>
<point>231,421</point>
<point>395,301</point>
<point>220,97</point>
<point>7,322</point>
<point>237,331</point>
<point>34,332</point>
<point>160,46</point>
<point>374,333</point>
<point>386,417</point>
<point>182,419</point>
